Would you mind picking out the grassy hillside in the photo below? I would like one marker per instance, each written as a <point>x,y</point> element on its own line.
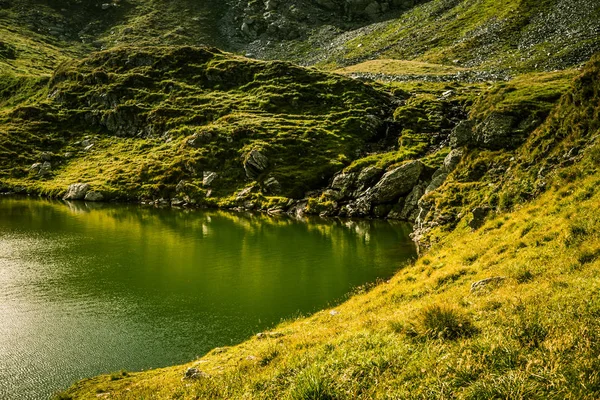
<point>486,313</point>
<point>480,111</point>
<point>151,123</point>
<point>515,35</point>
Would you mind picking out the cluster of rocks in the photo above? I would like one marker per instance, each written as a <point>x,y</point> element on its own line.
<point>289,20</point>
<point>496,131</point>
<point>370,192</point>
<point>393,194</point>
<point>193,374</point>
<point>467,76</point>
<point>81,191</point>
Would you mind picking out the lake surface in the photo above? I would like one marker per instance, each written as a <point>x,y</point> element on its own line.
<point>87,289</point>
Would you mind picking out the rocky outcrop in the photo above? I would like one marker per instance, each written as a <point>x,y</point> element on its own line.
<point>439,176</point>
<point>497,131</point>
<point>255,163</point>
<point>374,192</point>
<point>93,196</point>
<point>397,182</point>
<point>279,20</point>
<point>77,191</point>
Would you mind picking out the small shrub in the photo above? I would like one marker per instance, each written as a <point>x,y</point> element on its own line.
<point>314,385</point>
<point>470,259</point>
<point>527,228</point>
<point>524,275</point>
<point>396,326</point>
<point>269,355</point>
<point>530,331</point>
<point>115,376</point>
<point>449,278</point>
<point>442,322</point>
<point>576,233</point>
<point>588,256</point>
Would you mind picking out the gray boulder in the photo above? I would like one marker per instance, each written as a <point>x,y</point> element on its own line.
<point>361,207</point>
<point>368,177</point>
<point>410,211</point>
<point>77,191</point>
<point>45,168</point>
<point>438,179</point>
<point>450,163</point>
<point>484,283</point>
<point>496,132</point>
<point>343,183</point>
<point>194,373</point>
<point>93,196</point>
<point>272,186</point>
<point>462,134</point>
<point>255,163</point>
<point>208,177</point>
<point>452,159</point>
<point>397,182</point>
<point>41,168</point>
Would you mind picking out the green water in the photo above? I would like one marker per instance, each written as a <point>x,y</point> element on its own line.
<point>88,289</point>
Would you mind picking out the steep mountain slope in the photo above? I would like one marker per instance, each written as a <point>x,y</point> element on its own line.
<point>515,35</point>
<point>487,313</point>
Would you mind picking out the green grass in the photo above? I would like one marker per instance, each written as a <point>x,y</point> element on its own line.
<point>399,67</point>
<point>515,35</point>
<point>424,333</point>
<point>141,107</point>
<point>407,338</point>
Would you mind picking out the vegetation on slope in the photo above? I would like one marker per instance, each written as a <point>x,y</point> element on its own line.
<point>160,120</point>
<point>487,313</point>
<point>515,35</point>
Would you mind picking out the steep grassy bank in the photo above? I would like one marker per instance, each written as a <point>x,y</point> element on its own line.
<point>506,309</point>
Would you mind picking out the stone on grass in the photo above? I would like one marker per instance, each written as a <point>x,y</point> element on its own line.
<point>496,280</point>
<point>255,163</point>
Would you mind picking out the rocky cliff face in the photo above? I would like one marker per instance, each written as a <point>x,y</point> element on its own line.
<point>283,20</point>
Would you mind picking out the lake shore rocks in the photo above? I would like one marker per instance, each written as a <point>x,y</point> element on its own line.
<point>77,191</point>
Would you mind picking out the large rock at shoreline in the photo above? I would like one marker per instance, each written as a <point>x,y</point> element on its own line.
<point>397,182</point>
<point>77,191</point>
<point>93,196</point>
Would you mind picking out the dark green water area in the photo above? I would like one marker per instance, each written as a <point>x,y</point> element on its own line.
<point>88,288</point>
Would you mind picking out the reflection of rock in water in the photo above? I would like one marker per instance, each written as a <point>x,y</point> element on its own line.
<point>77,207</point>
